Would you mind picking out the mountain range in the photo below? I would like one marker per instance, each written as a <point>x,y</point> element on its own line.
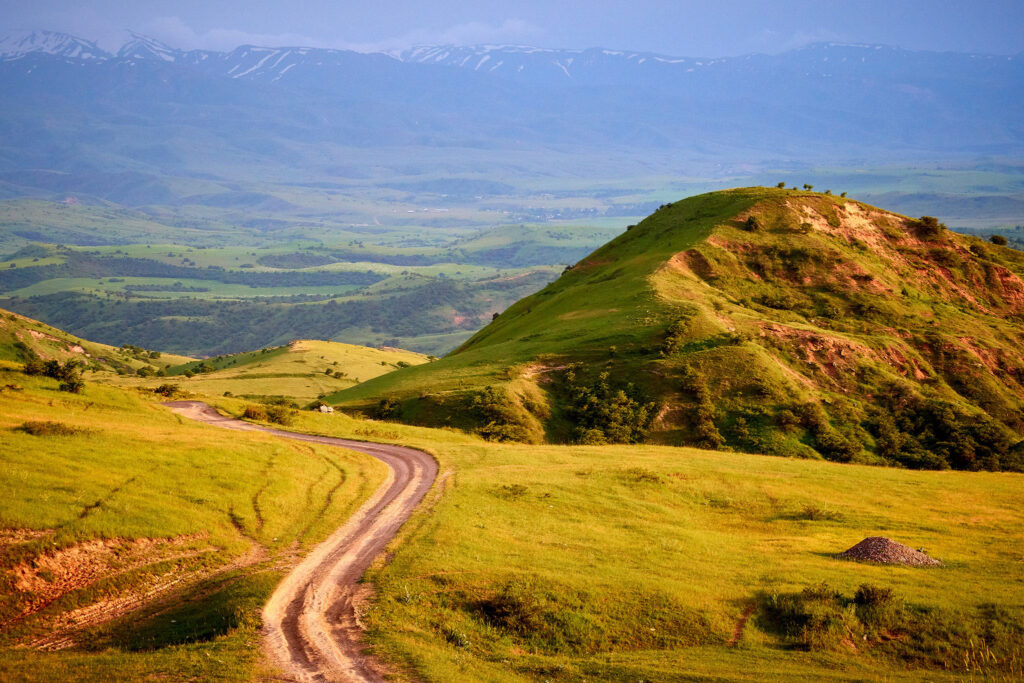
<point>316,115</point>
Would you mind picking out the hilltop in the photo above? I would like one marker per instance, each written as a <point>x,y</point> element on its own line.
<point>765,320</point>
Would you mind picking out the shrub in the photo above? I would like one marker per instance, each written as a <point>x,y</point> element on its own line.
<point>618,413</point>
<point>255,413</point>
<point>167,390</point>
<point>45,428</point>
<point>502,421</point>
<point>705,430</point>
<point>752,224</point>
<point>73,385</point>
<point>674,337</point>
<point>878,608</point>
<point>385,409</point>
<point>280,414</point>
<point>928,227</point>
<point>998,239</point>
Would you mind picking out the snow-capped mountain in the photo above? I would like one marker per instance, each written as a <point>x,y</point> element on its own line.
<point>541,64</point>
<point>13,47</point>
<point>144,47</point>
<point>151,105</point>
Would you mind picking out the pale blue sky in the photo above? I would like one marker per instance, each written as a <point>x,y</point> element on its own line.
<point>709,28</point>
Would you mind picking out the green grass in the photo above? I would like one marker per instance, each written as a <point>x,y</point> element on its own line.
<point>121,467</point>
<point>636,563</point>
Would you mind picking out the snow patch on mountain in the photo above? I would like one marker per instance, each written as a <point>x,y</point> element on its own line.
<point>18,46</point>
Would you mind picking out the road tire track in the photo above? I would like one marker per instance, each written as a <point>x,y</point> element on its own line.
<point>310,623</point>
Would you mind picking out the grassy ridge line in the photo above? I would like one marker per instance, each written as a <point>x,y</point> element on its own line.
<point>651,555</point>
<point>626,314</point>
<point>134,470</point>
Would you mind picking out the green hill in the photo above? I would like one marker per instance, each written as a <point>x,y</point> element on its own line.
<point>300,370</point>
<point>764,320</point>
<point>22,338</point>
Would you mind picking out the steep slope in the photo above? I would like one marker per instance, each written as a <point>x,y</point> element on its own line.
<point>766,320</point>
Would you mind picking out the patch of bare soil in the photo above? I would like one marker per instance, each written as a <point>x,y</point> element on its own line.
<point>50,576</point>
<point>540,371</point>
<point>69,626</point>
<point>887,551</point>
<point>18,536</point>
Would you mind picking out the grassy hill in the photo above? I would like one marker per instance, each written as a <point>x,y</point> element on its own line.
<point>766,320</point>
<point>301,370</point>
<point>22,337</point>
<point>138,545</point>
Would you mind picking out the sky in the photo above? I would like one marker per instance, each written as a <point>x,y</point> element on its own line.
<point>710,28</point>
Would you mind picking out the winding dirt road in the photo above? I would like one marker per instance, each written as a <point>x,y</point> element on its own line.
<point>310,623</point>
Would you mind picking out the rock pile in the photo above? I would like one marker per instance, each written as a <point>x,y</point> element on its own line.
<point>887,551</point>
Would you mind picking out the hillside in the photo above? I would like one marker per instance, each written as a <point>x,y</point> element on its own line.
<point>765,320</point>
<point>21,338</point>
<point>135,545</point>
<point>301,370</point>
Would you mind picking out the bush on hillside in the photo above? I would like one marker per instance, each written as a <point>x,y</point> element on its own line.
<point>931,433</point>
<point>998,239</point>
<point>596,409</point>
<point>501,419</point>
<point>385,409</point>
<point>168,390</point>
<point>928,227</point>
<point>47,428</point>
<point>69,374</point>
<point>752,224</point>
<point>255,413</point>
<point>705,429</point>
<point>985,641</point>
<point>280,414</point>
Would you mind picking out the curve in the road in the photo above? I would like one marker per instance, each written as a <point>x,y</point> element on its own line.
<point>309,622</point>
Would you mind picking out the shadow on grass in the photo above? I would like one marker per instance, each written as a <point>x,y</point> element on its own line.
<point>211,609</point>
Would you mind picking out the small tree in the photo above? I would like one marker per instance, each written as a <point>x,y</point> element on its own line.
<point>998,239</point>
<point>929,226</point>
<point>781,186</point>
<point>808,187</point>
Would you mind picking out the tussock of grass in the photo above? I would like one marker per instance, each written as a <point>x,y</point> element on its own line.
<point>49,428</point>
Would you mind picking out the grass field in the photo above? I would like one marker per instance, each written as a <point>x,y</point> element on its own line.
<point>637,563</point>
<point>111,497</point>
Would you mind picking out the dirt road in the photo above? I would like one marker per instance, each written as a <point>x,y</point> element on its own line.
<point>309,623</point>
